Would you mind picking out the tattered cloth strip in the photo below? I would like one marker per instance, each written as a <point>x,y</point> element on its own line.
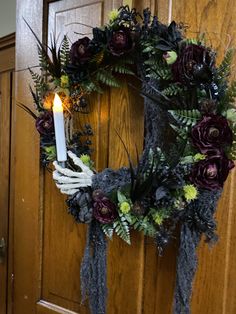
<point>94,266</point>
<point>203,210</point>
<point>198,220</point>
<point>93,269</point>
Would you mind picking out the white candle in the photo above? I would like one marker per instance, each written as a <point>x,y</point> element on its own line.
<point>59,127</point>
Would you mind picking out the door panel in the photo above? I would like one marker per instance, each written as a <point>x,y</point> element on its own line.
<point>7,64</point>
<point>215,287</point>
<point>48,243</point>
<point>5,110</point>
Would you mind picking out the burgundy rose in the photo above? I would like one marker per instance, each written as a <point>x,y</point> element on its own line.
<point>193,66</point>
<point>121,42</point>
<point>44,123</point>
<point>211,134</point>
<point>80,52</point>
<point>212,172</point>
<point>104,210</point>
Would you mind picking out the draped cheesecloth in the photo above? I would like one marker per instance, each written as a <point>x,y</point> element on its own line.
<point>158,133</point>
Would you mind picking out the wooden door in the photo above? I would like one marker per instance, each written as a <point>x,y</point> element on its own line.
<point>48,245</point>
<point>7,65</point>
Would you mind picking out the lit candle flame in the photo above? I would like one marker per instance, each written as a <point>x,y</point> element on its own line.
<point>57,104</point>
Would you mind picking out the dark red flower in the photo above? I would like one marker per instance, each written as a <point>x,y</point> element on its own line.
<point>44,123</point>
<point>104,210</point>
<point>80,52</point>
<point>121,42</point>
<point>211,134</point>
<point>193,66</point>
<point>212,172</point>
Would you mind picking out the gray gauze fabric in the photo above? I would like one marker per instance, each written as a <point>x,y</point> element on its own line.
<point>203,208</point>
<point>158,133</point>
<point>93,269</point>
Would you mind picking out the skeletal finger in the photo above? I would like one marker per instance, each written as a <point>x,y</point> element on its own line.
<point>67,172</point>
<point>68,186</point>
<point>65,179</point>
<point>69,192</point>
<point>78,162</point>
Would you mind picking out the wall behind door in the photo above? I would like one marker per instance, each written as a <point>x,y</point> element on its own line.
<point>7,17</point>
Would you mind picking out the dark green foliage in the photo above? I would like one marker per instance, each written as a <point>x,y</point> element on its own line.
<point>182,131</point>
<point>91,86</point>
<point>227,92</point>
<point>108,230</point>
<point>225,67</point>
<point>157,69</point>
<point>176,151</point>
<point>40,86</point>
<point>186,117</point>
<point>65,51</point>
<point>233,148</point>
<point>51,65</point>
<point>121,228</point>
<point>145,224</point>
<point>228,99</point>
<point>122,69</point>
<point>172,90</point>
<point>159,73</point>
<point>106,77</point>
<point>36,98</point>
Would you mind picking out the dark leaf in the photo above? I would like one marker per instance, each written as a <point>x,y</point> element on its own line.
<point>161,192</point>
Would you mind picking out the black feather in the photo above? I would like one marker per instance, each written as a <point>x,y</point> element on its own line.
<point>54,64</point>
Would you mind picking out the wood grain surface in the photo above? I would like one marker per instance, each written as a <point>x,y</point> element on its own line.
<point>5,119</point>
<point>48,244</point>
<point>215,288</point>
<point>7,65</point>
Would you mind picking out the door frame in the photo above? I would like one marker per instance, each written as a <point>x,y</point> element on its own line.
<point>7,67</point>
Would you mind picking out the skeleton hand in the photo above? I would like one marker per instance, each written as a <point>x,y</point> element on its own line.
<point>68,181</point>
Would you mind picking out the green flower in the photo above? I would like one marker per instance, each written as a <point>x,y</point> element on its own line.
<point>170,57</point>
<point>190,192</point>
<point>158,218</point>
<point>125,207</point>
<point>231,115</point>
<point>64,81</point>
<point>199,157</point>
<point>50,152</point>
<point>113,15</point>
<point>85,159</point>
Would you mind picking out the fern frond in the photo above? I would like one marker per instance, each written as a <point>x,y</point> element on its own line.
<point>108,230</point>
<point>229,98</point>
<point>65,51</point>
<point>152,61</point>
<point>225,66</point>
<point>122,69</point>
<point>40,86</point>
<point>121,228</point>
<point>232,153</point>
<point>36,98</point>
<point>91,86</point>
<point>145,226</point>
<point>42,59</point>
<point>107,78</point>
<point>172,90</point>
<point>159,73</point>
<point>182,131</point>
<point>186,117</point>
<point>98,58</point>
<point>126,60</point>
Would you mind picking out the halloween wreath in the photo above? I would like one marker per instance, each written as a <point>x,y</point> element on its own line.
<point>190,132</point>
